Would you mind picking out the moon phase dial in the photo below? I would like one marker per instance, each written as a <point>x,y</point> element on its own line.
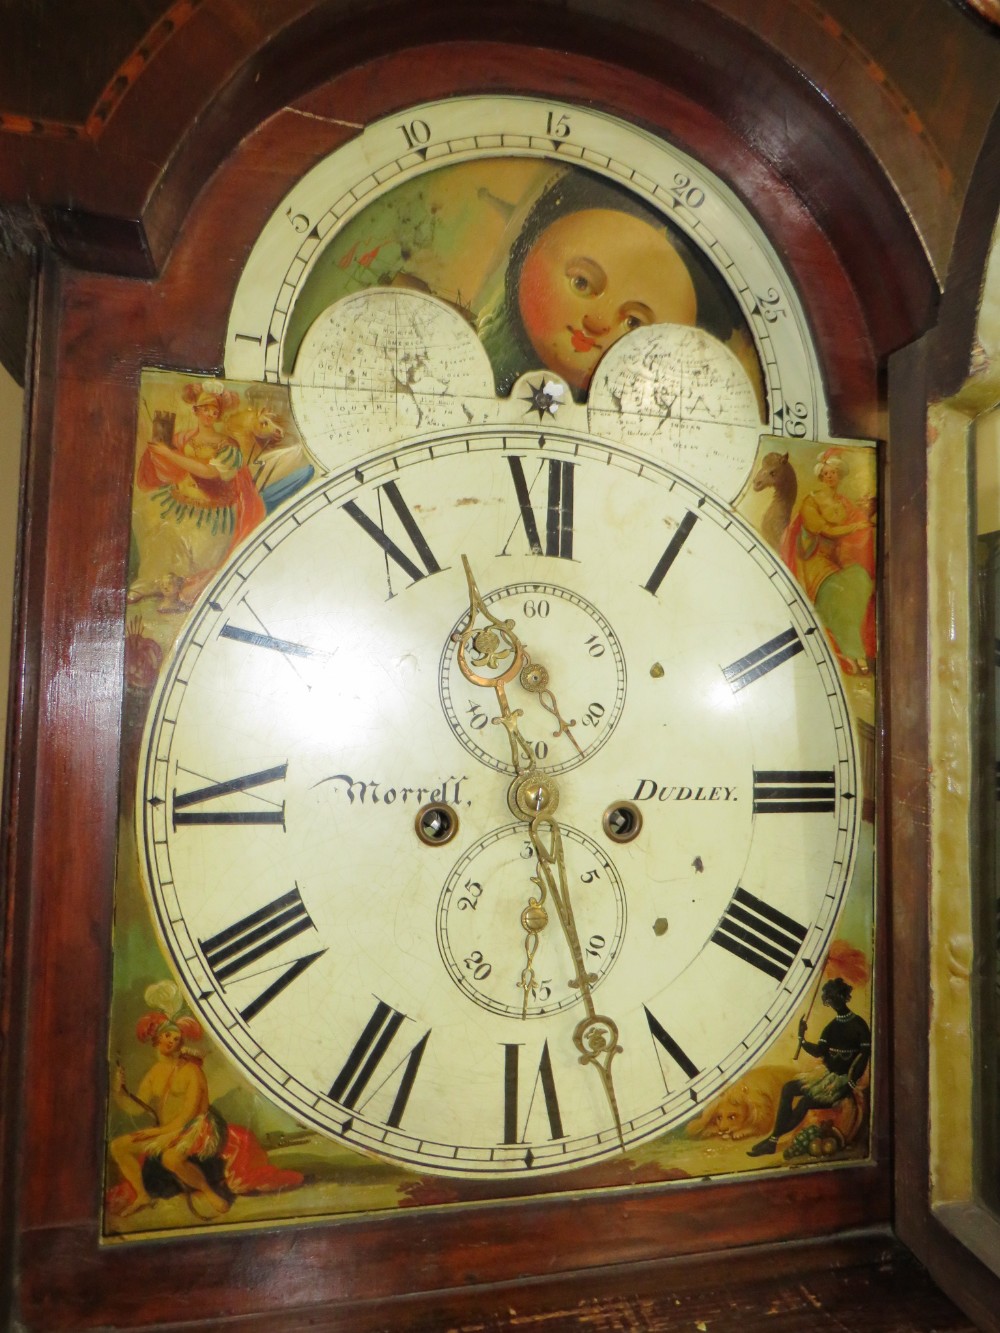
<point>481,933</point>
<point>571,690</point>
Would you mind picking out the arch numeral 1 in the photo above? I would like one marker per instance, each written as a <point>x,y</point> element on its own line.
<point>759,934</point>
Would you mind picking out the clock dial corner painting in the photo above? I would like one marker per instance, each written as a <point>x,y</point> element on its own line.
<point>498,782</point>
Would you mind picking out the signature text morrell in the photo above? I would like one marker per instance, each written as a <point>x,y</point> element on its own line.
<point>448,791</point>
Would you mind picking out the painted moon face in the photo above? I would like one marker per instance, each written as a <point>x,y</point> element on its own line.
<point>593,276</point>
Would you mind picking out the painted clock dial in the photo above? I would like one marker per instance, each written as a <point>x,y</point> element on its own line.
<point>318,244</point>
<point>374,983</point>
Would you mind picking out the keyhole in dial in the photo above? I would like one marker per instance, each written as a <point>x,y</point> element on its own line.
<point>436,824</point>
<point>622,821</point>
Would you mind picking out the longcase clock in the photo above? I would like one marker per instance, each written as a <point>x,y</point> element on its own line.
<point>483,629</point>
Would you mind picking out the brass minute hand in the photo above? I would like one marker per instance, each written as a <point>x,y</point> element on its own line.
<point>535,796</point>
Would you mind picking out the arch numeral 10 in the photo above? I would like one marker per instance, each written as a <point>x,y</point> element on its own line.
<point>416,133</point>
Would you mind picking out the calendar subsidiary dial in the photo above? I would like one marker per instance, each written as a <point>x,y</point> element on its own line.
<point>376,980</point>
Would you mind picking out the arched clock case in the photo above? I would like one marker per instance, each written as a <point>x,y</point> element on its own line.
<point>440,524</point>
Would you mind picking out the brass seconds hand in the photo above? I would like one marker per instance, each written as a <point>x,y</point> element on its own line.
<point>534,797</point>
<point>535,679</point>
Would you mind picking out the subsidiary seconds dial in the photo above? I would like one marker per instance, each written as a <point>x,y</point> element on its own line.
<point>570,644</point>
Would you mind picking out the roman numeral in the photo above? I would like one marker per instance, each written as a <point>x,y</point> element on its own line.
<point>367,1054</point>
<point>261,637</point>
<point>676,1052</point>
<point>544,1080</point>
<point>780,791</point>
<point>216,790</point>
<point>233,950</point>
<point>422,552</point>
<point>769,655</point>
<point>558,509</point>
<point>256,639</point>
<point>759,934</point>
<point>671,553</point>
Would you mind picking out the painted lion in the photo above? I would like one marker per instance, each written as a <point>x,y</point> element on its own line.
<point>746,1108</point>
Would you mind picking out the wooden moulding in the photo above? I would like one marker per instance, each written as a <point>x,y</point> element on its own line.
<point>934,370</point>
<point>118,201</point>
<point>95,333</point>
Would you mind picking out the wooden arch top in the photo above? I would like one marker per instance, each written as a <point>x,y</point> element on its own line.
<point>112,190</point>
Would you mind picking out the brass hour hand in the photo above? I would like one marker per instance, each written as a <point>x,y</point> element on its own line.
<point>490,654</point>
<point>487,648</point>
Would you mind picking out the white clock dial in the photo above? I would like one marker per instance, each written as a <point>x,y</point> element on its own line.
<point>390,152</point>
<point>308,712</point>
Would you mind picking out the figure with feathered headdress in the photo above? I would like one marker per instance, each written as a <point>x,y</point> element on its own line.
<point>189,1147</point>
